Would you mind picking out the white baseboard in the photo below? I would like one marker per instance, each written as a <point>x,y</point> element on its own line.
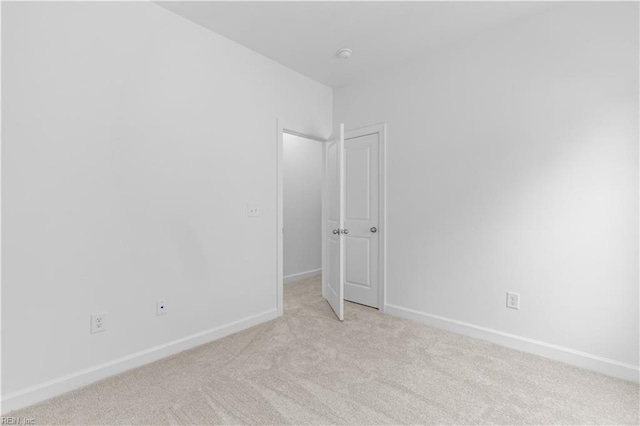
<point>51,388</point>
<point>569,356</point>
<point>302,275</point>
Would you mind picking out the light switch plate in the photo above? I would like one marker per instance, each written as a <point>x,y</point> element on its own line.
<point>253,210</point>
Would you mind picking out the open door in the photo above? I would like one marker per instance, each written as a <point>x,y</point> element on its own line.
<point>333,252</point>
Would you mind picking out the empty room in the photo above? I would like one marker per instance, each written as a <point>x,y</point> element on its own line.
<point>291,213</point>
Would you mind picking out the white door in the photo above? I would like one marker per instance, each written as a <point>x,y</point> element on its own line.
<point>361,224</point>
<point>333,254</point>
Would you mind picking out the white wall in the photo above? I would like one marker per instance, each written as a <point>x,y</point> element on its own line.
<point>133,140</point>
<point>302,189</point>
<point>513,166</point>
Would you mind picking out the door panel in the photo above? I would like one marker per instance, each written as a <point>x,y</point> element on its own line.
<point>361,207</point>
<point>358,261</point>
<point>334,217</point>
<point>358,190</point>
<point>333,183</point>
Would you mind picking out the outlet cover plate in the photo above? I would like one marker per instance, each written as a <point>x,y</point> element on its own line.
<point>98,322</point>
<point>161,307</point>
<point>513,300</point>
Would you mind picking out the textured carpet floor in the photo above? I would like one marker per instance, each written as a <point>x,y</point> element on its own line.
<point>308,368</point>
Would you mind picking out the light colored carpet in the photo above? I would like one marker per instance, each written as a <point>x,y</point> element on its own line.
<point>308,368</point>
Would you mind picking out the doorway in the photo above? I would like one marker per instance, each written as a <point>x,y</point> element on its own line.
<point>311,173</point>
<point>304,265</point>
<point>302,207</point>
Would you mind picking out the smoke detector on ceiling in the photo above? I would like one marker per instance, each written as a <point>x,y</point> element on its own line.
<point>344,53</point>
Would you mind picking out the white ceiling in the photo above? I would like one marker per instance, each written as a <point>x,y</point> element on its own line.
<point>305,36</point>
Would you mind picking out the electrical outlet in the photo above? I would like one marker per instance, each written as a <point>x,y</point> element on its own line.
<point>513,300</point>
<point>253,210</point>
<point>98,322</point>
<point>161,307</point>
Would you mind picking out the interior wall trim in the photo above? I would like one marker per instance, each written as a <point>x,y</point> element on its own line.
<point>606,366</point>
<point>302,275</point>
<point>55,387</point>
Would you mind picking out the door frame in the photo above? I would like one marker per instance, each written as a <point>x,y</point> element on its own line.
<point>282,128</point>
<point>381,130</point>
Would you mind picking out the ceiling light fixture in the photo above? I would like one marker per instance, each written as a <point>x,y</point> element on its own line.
<point>344,53</point>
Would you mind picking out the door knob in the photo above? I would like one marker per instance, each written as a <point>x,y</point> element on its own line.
<point>335,231</point>
<point>373,229</point>
<point>345,231</point>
